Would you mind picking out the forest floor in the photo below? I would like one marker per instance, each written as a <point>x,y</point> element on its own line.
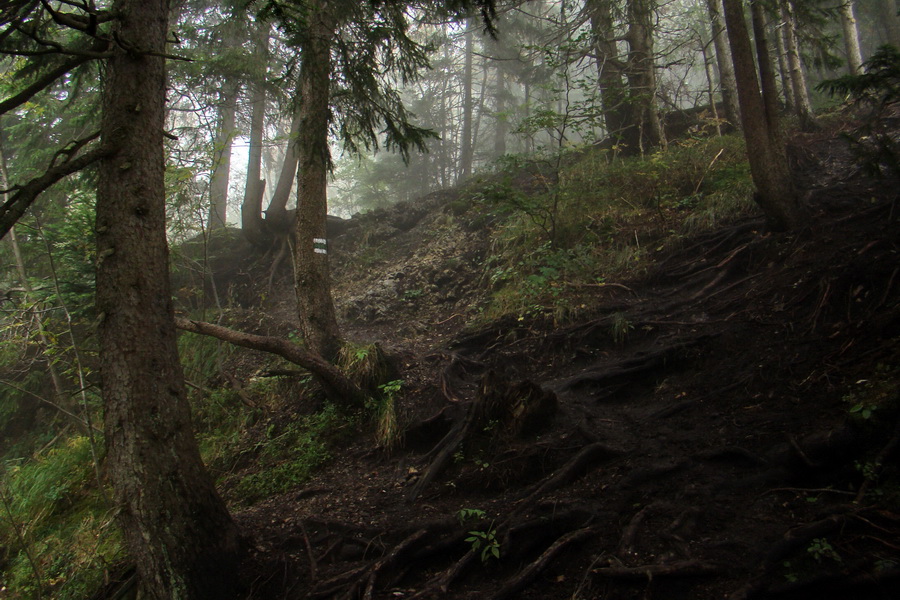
<point>724,426</point>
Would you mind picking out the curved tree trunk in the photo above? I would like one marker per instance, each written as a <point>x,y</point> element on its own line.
<point>251,207</point>
<point>768,163</point>
<point>312,279</point>
<point>277,218</point>
<point>175,526</point>
<point>218,181</point>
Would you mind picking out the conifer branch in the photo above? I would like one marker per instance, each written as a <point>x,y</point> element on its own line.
<point>25,195</point>
<point>42,83</point>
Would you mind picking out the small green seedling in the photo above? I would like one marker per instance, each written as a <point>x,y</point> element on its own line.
<point>485,541</point>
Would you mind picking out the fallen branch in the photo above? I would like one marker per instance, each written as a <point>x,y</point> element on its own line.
<point>338,387</point>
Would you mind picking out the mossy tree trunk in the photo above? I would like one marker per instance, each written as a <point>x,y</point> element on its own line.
<point>175,526</point>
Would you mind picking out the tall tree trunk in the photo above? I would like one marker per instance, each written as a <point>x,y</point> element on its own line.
<point>768,163</point>
<point>466,144</point>
<point>710,84</point>
<point>501,119</point>
<point>610,76</point>
<point>529,136</point>
<point>802,105</point>
<point>851,37</point>
<point>646,129</point>
<point>784,69</point>
<point>312,279</point>
<point>276,214</point>
<point>764,62</point>
<point>218,181</point>
<point>723,61</point>
<point>255,187</point>
<point>175,526</point>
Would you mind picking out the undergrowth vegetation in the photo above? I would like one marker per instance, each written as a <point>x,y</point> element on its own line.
<point>600,217</point>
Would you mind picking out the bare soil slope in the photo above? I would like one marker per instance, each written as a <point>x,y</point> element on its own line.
<point>690,437</point>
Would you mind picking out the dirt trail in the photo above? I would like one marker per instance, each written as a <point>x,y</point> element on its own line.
<point>690,439</point>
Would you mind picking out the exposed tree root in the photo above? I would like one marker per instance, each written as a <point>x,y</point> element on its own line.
<point>840,585</point>
<point>509,409</point>
<point>588,456</point>
<point>626,368</point>
<point>626,544</point>
<point>527,575</point>
<point>880,460</point>
<point>793,540</point>
<point>685,568</point>
<point>689,262</point>
<point>387,562</point>
<point>442,452</point>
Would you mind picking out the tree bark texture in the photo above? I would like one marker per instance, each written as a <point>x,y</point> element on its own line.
<point>851,37</point>
<point>175,526</point>
<point>312,279</point>
<point>723,61</point>
<point>768,164</point>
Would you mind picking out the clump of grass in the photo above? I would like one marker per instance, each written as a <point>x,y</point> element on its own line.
<point>365,364</point>
<point>620,327</point>
<point>384,408</point>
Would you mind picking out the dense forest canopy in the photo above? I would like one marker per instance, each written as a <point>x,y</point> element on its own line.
<point>143,140</point>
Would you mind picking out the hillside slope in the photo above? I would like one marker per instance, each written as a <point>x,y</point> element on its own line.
<point>723,425</point>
